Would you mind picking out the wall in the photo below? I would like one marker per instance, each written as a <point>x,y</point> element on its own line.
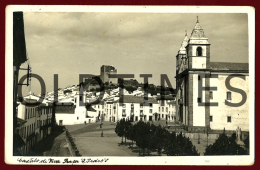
<point>239,115</point>
<point>199,62</point>
<point>198,111</point>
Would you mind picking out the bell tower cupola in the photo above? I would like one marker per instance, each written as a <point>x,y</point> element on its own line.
<point>198,48</point>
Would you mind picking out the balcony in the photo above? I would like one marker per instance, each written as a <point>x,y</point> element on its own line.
<point>123,115</point>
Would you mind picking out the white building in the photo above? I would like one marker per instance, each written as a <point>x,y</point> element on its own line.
<point>134,108</point>
<point>78,112</point>
<point>166,110</point>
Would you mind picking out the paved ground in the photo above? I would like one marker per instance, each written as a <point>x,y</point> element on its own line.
<point>90,143</point>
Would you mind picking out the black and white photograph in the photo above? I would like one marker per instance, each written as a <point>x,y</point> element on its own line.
<point>156,85</point>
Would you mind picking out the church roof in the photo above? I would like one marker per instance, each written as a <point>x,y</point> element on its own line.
<point>184,43</point>
<point>198,33</point>
<point>228,66</point>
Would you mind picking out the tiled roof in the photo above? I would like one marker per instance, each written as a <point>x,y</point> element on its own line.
<point>173,102</point>
<point>90,108</point>
<point>136,99</point>
<point>228,66</point>
<point>165,97</point>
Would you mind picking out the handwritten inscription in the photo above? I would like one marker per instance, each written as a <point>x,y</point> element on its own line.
<point>59,161</point>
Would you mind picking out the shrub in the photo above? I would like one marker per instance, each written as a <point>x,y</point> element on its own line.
<point>225,145</point>
<point>179,145</point>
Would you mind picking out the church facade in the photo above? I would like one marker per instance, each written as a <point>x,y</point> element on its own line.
<point>209,95</point>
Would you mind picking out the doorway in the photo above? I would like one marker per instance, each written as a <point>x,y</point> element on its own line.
<point>60,123</point>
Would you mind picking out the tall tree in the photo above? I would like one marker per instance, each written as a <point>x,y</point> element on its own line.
<point>119,130</point>
<point>142,135</point>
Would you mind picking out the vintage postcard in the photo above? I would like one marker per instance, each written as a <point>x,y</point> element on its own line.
<point>130,85</point>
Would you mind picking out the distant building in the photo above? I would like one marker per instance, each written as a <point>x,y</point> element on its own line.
<point>105,70</point>
<point>192,63</point>
<point>78,112</point>
<point>134,108</point>
<point>166,110</point>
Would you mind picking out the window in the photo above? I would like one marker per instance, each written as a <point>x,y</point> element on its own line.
<point>211,118</point>
<point>159,109</point>
<point>77,118</point>
<point>98,106</point>
<point>162,109</point>
<point>141,105</point>
<point>102,106</point>
<point>151,105</point>
<point>162,115</point>
<point>229,96</point>
<point>198,77</point>
<point>229,119</point>
<point>211,95</point>
<point>199,100</point>
<point>199,51</point>
<point>124,105</point>
<point>166,109</point>
<point>123,113</point>
<point>141,112</point>
<point>80,98</point>
<point>151,111</point>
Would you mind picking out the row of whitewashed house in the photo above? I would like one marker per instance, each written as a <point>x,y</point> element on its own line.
<point>113,108</point>
<point>35,121</point>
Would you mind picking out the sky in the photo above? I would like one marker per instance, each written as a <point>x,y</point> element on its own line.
<point>73,43</point>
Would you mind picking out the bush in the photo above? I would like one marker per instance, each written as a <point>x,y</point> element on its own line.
<point>179,145</point>
<point>225,145</point>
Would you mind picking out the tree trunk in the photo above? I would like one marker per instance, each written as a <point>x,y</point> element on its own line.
<point>122,140</point>
<point>143,152</point>
<point>125,139</point>
<point>132,143</point>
